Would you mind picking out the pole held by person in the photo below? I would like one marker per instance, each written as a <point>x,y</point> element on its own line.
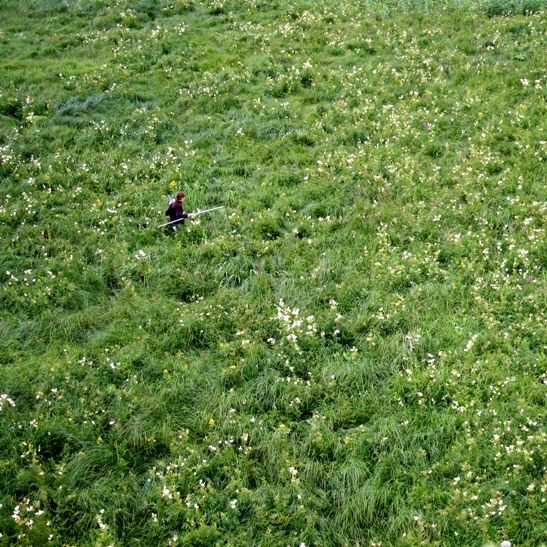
<point>176,212</point>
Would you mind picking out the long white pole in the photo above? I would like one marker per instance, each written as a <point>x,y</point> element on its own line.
<point>192,215</point>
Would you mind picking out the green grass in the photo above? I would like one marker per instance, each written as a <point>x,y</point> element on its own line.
<point>352,352</point>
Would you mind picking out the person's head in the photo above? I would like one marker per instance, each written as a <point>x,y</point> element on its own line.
<point>180,196</point>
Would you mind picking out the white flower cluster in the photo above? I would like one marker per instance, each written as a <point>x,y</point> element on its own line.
<point>293,472</point>
<point>99,519</point>
<point>5,400</point>
<point>411,339</point>
<point>293,325</point>
<point>26,512</point>
<point>495,506</point>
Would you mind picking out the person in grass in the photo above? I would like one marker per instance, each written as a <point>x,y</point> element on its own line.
<point>175,211</point>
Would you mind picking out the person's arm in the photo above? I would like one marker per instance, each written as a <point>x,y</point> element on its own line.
<point>179,212</point>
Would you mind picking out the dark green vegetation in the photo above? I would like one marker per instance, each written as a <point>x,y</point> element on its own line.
<point>352,353</point>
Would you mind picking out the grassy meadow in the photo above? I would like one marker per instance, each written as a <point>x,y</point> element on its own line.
<point>352,352</point>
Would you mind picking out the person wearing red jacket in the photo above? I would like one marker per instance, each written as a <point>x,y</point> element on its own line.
<point>175,211</point>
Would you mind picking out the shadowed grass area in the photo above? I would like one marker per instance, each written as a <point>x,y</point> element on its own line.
<point>351,352</point>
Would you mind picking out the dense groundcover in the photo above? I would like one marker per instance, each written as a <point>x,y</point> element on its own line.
<point>352,352</point>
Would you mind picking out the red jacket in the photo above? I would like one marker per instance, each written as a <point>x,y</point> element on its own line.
<point>176,212</point>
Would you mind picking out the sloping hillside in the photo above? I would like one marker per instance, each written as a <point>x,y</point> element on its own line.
<point>352,352</point>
